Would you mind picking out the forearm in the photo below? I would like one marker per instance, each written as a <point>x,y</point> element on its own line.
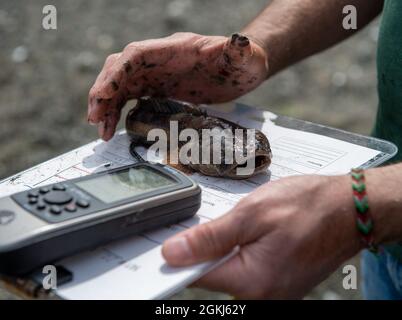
<point>291,30</point>
<point>384,188</point>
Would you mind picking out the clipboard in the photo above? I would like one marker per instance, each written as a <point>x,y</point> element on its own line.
<point>387,149</point>
<point>30,286</point>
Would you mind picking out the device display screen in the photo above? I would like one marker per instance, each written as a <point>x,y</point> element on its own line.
<point>125,184</point>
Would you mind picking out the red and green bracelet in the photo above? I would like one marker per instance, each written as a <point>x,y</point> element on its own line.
<point>364,221</point>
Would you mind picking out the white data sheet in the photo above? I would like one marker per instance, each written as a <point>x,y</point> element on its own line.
<point>134,268</point>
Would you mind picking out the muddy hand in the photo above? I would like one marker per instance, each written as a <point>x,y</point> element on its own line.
<point>184,66</point>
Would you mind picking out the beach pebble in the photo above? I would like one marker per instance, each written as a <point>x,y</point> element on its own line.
<point>177,8</point>
<point>19,54</point>
<point>85,60</point>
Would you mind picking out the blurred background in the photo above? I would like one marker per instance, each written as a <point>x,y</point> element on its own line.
<point>45,77</point>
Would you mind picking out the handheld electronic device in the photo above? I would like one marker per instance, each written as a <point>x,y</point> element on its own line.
<point>45,224</point>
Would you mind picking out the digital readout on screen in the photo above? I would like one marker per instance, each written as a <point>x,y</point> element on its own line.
<point>125,184</point>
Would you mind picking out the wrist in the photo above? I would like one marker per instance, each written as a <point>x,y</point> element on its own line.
<point>277,42</point>
<point>267,46</point>
<point>344,213</point>
<point>385,200</point>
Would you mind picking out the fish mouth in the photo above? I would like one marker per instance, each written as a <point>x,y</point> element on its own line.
<point>243,171</point>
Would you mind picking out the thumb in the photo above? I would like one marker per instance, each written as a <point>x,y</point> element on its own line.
<point>237,51</point>
<point>243,53</point>
<point>204,242</point>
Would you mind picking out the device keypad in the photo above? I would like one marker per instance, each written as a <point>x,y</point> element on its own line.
<point>55,203</point>
<point>69,200</point>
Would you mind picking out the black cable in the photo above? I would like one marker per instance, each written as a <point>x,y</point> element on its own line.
<point>134,153</point>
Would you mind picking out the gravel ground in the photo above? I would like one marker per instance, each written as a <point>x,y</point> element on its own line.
<point>45,77</point>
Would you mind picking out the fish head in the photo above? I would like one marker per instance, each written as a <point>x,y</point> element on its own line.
<point>256,159</point>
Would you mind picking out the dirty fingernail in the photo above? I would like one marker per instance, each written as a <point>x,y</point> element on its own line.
<point>234,37</point>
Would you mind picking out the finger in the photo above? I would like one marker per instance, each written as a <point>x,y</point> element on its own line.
<point>235,277</point>
<point>110,60</point>
<point>108,83</point>
<point>108,108</point>
<point>204,242</point>
<point>97,105</point>
<point>112,89</point>
<point>114,84</point>
<point>112,120</point>
<point>109,127</point>
<point>223,278</point>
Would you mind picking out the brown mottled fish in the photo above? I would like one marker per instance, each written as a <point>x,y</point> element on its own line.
<point>151,113</point>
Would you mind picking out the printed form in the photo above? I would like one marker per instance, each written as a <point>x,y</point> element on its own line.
<point>133,268</point>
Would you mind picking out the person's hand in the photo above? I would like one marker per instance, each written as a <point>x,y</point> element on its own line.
<point>291,233</point>
<point>184,66</point>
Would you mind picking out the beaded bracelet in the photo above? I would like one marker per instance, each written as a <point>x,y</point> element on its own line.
<point>364,221</point>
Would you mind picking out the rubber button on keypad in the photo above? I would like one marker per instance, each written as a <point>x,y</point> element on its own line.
<point>55,209</point>
<point>82,203</point>
<point>58,197</point>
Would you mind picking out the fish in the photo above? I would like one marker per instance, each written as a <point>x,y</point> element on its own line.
<point>157,113</point>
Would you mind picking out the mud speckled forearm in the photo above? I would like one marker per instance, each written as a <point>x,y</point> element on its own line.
<point>291,30</point>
